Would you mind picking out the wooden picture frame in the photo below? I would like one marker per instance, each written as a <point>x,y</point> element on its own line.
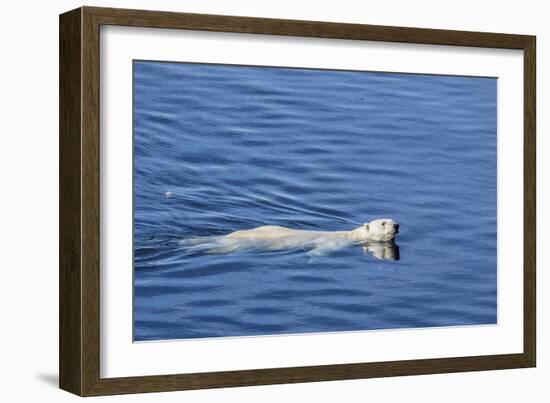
<point>79,348</point>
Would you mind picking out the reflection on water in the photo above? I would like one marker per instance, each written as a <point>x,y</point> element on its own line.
<point>224,148</point>
<point>382,250</point>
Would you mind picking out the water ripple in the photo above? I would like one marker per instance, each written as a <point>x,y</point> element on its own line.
<point>241,147</point>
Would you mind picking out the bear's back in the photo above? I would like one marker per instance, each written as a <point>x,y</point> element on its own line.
<point>267,231</point>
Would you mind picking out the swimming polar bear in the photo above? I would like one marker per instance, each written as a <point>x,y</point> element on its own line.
<point>380,230</point>
<point>318,243</point>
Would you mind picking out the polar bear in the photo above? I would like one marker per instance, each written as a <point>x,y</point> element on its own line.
<point>380,230</point>
<point>317,243</point>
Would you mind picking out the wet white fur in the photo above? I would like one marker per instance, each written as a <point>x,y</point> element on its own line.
<point>278,238</point>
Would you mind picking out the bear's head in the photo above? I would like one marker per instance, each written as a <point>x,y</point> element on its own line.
<point>381,230</point>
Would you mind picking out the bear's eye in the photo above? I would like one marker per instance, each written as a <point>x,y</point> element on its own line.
<point>383,223</point>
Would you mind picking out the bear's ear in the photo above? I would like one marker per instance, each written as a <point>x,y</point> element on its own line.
<point>366,226</point>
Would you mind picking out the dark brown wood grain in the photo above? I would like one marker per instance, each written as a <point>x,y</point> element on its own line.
<point>530,202</point>
<point>70,271</point>
<point>90,201</point>
<point>79,277</point>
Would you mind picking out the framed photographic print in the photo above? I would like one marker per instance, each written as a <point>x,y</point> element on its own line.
<point>249,201</point>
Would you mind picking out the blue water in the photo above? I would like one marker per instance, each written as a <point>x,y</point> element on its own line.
<point>221,148</point>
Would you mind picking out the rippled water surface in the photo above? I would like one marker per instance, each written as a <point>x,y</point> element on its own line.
<point>222,148</point>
